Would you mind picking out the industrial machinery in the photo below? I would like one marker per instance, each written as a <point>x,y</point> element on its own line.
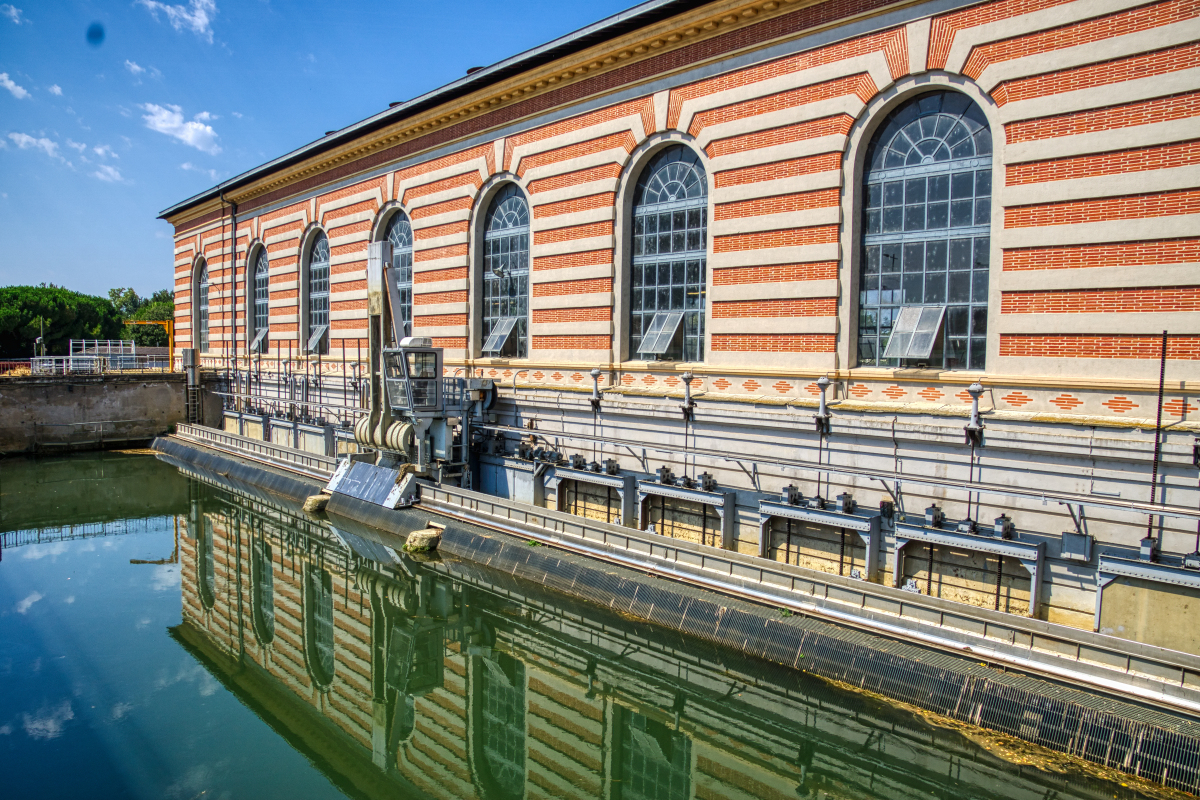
<point>416,415</point>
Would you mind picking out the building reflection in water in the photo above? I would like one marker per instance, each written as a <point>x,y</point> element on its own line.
<point>462,682</point>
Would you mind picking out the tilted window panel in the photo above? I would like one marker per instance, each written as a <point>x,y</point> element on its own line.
<point>496,340</point>
<point>399,233</point>
<point>914,332</point>
<point>669,253</point>
<point>661,333</point>
<point>927,196</point>
<point>318,296</point>
<point>506,270</point>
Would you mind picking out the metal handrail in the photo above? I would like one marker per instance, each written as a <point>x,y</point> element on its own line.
<point>288,457</point>
<point>1130,668</point>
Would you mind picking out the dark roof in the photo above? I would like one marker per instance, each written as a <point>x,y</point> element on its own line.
<point>618,24</point>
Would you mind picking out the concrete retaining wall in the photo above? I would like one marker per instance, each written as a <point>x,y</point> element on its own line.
<point>83,412</point>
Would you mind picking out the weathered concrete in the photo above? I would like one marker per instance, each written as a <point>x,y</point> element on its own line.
<point>84,412</point>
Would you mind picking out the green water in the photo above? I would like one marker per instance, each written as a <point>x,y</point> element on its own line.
<point>165,637</point>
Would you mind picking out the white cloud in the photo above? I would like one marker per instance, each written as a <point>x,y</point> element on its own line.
<point>204,116</point>
<point>196,16</point>
<point>35,551</point>
<point>76,145</point>
<point>108,174</point>
<point>236,114</point>
<point>104,151</point>
<point>69,599</point>
<point>190,167</point>
<point>169,120</point>
<point>12,13</point>
<point>8,83</point>
<point>27,603</point>
<point>165,577</point>
<point>121,709</point>
<point>48,723</point>
<point>55,90</point>
<point>133,67</point>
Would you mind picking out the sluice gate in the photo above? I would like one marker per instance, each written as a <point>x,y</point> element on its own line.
<point>936,655</point>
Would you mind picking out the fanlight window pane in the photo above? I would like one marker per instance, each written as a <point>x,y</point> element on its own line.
<point>318,296</point>
<point>669,262</point>
<point>506,272</point>
<point>262,301</point>
<point>927,228</point>
<point>399,233</point>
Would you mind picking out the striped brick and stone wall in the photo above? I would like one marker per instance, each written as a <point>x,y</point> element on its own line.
<point>1095,224</point>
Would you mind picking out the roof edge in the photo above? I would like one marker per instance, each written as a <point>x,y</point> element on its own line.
<point>588,36</point>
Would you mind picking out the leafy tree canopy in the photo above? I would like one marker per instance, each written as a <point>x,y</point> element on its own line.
<point>25,311</point>
<point>160,305</point>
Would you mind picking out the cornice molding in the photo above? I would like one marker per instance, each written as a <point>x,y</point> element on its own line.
<point>714,20</point>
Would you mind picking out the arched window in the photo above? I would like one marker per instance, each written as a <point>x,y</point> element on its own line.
<point>499,735</point>
<point>506,275</point>
<point>318,624</point>
<point>926,236</point>
<point>262,591</point>
<point>262,302</point>
<point>399,233</point>
<point>669,269</point>
<point>318,296</point>
<point>205,563</point>
<point>202,308</point>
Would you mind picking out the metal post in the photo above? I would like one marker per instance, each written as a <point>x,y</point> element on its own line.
<point>1162,374</point>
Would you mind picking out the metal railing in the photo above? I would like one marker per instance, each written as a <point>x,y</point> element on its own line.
<point>289,458</point>
<point>1145,672</point>
<point>15,367</point>
<point>88,530</point>
<point>99,364</point>
<point>103,347</point>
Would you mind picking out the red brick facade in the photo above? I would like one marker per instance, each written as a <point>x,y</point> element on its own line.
<point>1096,124</point>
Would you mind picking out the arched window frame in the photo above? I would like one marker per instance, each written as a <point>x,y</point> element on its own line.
<point>393,230</point>
<point>259,311</point>
<point>319,636</point>
<point>314,294</point>
<point>639,162</point>
<point>854,166</point>
<point>205,562</point>
<point>262,586</point>
<point>200,290</point>
<point>515,336</point>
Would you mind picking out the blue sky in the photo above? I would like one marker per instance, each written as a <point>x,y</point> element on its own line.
<point>95,140</point>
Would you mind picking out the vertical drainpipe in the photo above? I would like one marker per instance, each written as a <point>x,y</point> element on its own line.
<point>233,265</point>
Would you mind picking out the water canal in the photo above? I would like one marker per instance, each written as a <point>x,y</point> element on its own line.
<point>166,633</point>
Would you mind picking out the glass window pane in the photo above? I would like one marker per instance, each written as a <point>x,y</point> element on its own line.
<point>960,287</point>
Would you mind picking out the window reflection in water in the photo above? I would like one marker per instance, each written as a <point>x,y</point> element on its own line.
<point>465,682</point>
<point>655,761</point>
<point>501,727</point>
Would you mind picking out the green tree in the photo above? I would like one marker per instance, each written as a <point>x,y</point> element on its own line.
<point>64,315</point>
<point>160,305</point>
